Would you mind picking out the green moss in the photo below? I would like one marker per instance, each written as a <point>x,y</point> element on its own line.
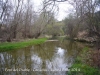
<point>17,45</point>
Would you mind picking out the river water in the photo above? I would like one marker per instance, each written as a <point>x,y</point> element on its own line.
<point>49,58</point>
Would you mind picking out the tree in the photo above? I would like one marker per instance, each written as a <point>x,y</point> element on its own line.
<point>89,15</point>
<point>71,26</point>
<point>13,17</point>
<point>5,8</point>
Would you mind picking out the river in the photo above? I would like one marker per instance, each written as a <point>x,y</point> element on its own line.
<point>49,58</point>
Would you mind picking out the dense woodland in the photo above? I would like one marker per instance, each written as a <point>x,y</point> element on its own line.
<point>20,20</point>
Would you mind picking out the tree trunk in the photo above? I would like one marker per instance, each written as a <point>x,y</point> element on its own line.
<point>37,35</point>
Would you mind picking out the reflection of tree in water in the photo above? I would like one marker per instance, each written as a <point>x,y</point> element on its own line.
<point>59,55</point>
<point>15,60</point>
<point>59,62</point>
<point>72,47</point>
<point>46,50</point>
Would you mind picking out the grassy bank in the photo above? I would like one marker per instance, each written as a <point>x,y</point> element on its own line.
<point>81,65</point>
<point>17,45</point>
<point>83,69</point>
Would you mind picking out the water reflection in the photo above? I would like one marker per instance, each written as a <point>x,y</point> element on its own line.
<point>36,62</point>
<point>58,61</point>
<point>49,56</point>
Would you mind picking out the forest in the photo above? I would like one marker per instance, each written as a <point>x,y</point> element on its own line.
<point>33,35</point>
<point>19,20</point>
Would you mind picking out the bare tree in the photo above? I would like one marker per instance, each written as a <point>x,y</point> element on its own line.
<point>45,17</point>
<point>88,14</point>
<point>5,18</point>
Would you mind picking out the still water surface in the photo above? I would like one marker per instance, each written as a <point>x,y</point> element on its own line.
<point>49,58</point>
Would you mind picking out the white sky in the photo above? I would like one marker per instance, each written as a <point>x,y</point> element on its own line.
<point>64,9</point>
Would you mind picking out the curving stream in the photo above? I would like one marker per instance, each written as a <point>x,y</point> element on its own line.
<point>49,58</point>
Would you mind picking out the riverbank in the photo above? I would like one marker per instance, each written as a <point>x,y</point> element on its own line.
<point>87,63</point>
<point>17,45</point>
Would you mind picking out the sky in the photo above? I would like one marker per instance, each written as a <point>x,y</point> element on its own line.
<point>64,9</point>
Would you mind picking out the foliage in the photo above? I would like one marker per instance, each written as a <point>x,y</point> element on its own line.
<point>55,28</point>
<point>71,26</point>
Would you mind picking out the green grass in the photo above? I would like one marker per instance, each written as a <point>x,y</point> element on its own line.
<point>17,45</point>
<point>85,69</point>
